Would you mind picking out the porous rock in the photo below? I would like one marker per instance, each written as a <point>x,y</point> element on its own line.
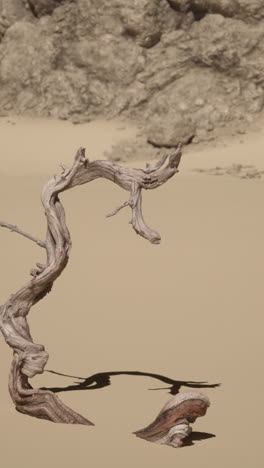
<point>183,68</point>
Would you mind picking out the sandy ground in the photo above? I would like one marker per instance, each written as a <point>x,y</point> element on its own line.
<point>188,309</point>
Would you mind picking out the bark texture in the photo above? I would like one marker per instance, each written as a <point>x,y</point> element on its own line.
<point>172,425</point>
<point>30,358</point>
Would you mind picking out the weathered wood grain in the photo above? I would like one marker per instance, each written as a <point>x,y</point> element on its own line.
<point>30,358</point>
<point>172,425</point>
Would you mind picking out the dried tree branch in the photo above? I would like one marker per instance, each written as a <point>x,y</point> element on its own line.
<point>30,358</point>
<point>16,229</point>
<point>118,209</point>
<point>172,425</point>
<point>154,167</point>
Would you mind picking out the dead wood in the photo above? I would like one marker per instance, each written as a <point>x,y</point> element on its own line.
<point>172,425</point>
<point>30,358</point>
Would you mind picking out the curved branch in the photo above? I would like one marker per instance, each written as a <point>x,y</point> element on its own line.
<point>30,358</point>
<point>136,179</point>
<point>172,425</point>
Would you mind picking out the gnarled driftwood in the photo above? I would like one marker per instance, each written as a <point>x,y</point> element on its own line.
<point>30,358</point>
<point>172,425</point>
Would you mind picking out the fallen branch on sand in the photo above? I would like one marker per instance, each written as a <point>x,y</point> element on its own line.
<point>172,425</point>
<point>30,358</point>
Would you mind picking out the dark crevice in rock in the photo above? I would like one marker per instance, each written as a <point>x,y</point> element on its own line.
<point>151,40</point>
<point>45,7</point>
<point>130,32</point>
<point>164,145</point>
<point>146,42</point>
<point>179,5</point>
<point>33,9</point>
<point>199,14</point>
<point>189,141</point>
<point>4,25</point>
<point>200,8</point>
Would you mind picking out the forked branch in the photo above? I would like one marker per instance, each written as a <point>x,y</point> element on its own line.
<point>30,358</point>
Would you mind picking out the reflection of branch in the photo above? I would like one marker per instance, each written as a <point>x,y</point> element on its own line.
<point>102,380</point>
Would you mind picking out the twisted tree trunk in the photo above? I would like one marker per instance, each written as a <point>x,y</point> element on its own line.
<point>30,358</point>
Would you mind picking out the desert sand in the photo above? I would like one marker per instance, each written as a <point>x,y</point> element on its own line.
<point>188,309</point>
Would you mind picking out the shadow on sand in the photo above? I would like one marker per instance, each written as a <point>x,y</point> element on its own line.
<point>103,379</point>
<point>194,436</point>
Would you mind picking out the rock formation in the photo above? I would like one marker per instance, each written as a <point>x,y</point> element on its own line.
<point>185,67</point>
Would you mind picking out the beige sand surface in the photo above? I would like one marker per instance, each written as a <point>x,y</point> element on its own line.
<point>190,308</point>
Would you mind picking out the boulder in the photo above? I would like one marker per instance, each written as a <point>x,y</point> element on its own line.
<point>27,55</point>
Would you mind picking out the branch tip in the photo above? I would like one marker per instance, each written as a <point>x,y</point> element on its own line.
<point>154,167</point>
<point>80,155</point>
<point>65,168</point>
<point>175,157</point>
<point>14,228</point>
<point>118,209</point>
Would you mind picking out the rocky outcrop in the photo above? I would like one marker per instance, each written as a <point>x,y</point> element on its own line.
<point>183,67</point>
<point>252,10</point>
<point>43,7</point>
<point>218,78</point>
